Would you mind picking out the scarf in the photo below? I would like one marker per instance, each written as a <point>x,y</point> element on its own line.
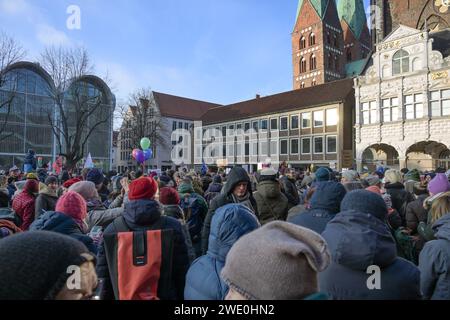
<point>245,201</point>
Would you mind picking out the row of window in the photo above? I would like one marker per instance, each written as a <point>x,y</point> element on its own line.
<point>330,145</point>
<point>413,106</point>
<point>180,125</point>
<point>331,40</point>
<point>317,119</point>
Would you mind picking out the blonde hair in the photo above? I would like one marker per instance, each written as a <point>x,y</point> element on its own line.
<point>440,207</point>
<point>393,176</point>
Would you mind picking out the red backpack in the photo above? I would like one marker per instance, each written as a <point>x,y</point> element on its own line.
<point>140,262</point>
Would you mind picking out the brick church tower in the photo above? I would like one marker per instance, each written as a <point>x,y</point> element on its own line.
<point>317,44</point>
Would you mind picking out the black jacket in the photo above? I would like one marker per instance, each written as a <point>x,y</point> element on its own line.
<point>237,174</point>
<point>399,196</point>
<point>290,191</point>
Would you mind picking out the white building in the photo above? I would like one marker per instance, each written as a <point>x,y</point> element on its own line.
<point>403,102</point>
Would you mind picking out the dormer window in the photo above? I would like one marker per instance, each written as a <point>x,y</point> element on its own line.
<point>400,62</point>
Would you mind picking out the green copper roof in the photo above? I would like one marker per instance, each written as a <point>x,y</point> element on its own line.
<point>319,5</point>
<point>352,12</point>
<point>355,68</point>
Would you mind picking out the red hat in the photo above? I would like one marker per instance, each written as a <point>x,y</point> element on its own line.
<point>72,205</point>
<point>70,182</point>
<point>168,195</point>
<point>142,188</point>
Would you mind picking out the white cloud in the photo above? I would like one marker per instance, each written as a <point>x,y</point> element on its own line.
<point>48,35</point>
<point>14,6</point>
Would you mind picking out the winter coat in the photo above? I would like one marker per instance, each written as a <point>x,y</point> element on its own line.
<point>203,281</point>
<point>140,215</point>
<point>195,209</point>
<point>399,196</point>
<point>358,241</point>
<point>272,203</point>
<point>434,263</point>
<point>325,204</point>
<point>206,181</point>
<point>30,161</point>
<point>290,191</point>
<point>237,174</point>
<point>99,215</point>
<point>46,201</point>
<point>416,213</point>
<point>64,224</point>
<point>212,191</point>
<point>24,206</point>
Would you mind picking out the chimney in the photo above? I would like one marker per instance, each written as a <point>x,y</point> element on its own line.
<point>258,96</point>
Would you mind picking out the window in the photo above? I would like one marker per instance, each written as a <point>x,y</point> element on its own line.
<point>174,125</point>
<point>254,149</point>
<point>414,106</point>
<point>231,128</point>
<point>283,147</point>
<point>186,126</point>
<point>283,123</point>
<point>336,63</point>
<point>440,103</point>
<point>306,120</point>
<point>255,125</point>
<point>264,125</point>
<point>328,38</point>
<point>302,43</point>
<point>274,124</point>
<point>331,144</point>
<point>330,61</point>
<point>336,42</point>
<point>332,117</point>
<point>263,148</point>
<point>239,126</point>
<point>306,145</point>
<point>400,62</point>
<point>247,149</point>
<point>349,54</point>
<point>224,131</point>
<point>318,145</point>
<point>314,82</point>
<point>303,65</point>
<point>302,86</point>
<point>318,119</point>
<point>230,151</point>
<point>294,146</point>
<point>369,112</point>
<point>294,122</point>
<point>390,109</point>
<point>312,39</point>
<point>313,62</point>
<point>246,126</point>
<point>180,125</point>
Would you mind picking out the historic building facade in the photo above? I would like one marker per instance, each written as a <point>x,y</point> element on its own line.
<point>403,102</point>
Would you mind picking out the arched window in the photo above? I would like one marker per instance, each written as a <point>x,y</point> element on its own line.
<point>336,63</point>
<point>312,39</point>
<point>336,42</point>
<point>313,62</point>
<point>400,62</point>
<point>328,38</point>
<point>330,61</point>
<point>302,86</point>
<point>302,43</point>
<point>303,65</point>
<point>314,82</point>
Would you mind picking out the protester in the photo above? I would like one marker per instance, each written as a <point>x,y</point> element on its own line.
<point>96,176</point>
<point>24,203</point>
<point>289,189</point>
<point>395,188</point>
<point>47,198</point>
<point>214,189</point>
<point>358,239</point>
<point>35,267</point>
<point>203,281</point>
<point>415,211</point>
<point>350,180</point>
<point>30,162</point>
<point>9,222</point>
<point>279,261</point>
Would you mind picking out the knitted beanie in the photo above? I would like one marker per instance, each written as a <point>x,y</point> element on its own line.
<point>323,174</point>
<point>350,175</point>
<point>86,189</point>
<point>439,184</point>
<point>70,182</point>
<point>143,188</point>
<point>279,261</point>
<point>34,264</point>
<point>96,176</point>
<point>372,180</point>
<point>50,180</point>
<point>413,175</point>
<point>217,178</point>
<point>168,196</point>
<point>73,205</point>
<point>365,202</point>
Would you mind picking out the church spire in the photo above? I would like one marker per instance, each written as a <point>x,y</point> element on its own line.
<point>319,5</point>
<point>353,13</point>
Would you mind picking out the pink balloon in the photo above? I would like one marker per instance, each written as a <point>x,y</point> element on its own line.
<point>135,152</point>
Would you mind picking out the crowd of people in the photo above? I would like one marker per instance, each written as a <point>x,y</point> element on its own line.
<point>278,233</point>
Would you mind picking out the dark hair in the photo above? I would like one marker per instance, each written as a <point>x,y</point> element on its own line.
<point>4,200</point>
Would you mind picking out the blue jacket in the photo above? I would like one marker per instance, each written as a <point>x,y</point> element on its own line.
<point>61,223</point>
<point>325,203</point>
<point>203,280</point>
<point>434,263</point>
<point>356,241</point>
<point>139,215</point>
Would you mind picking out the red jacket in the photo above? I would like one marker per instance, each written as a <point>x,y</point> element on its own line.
<point>23,205</point>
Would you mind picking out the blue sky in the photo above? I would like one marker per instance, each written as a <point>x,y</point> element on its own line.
<point>221,51</point>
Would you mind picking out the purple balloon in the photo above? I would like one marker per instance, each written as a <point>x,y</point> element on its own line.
<point>134,153</point>
<point>140,156</point>
<point>148,154</point>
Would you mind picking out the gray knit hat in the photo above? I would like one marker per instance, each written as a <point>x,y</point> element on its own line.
<point>279,261</point>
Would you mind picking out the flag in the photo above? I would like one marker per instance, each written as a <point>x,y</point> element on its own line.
<point>204,167</point>
<point>89,164</point>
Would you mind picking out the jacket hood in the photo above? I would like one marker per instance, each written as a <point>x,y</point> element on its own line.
<point>229,223</point>
<point>328,196</point>
<point>442,228</point>
<point>185,188</point>
<point>269,189</point>
<point>214,187</point>
<point>237,174</point>
<point>358,240</point>
<point>142,212</point>
<point>57,222</point>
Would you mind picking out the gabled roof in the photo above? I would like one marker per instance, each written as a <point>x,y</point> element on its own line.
<point>319,5</point>
<point>328,93</point>
<point>352,12</point>
<point>181,108</point>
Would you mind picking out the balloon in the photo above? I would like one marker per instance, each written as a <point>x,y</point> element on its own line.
<point>148,154</point>
<point>135,152</point>
<point>140,156</point>
<point>145,143</point>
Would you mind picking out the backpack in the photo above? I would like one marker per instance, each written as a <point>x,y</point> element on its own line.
<point>140,262</point>
<point>193,216</point>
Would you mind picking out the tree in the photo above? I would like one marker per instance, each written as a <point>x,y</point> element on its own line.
<point>80,108</point>
<point>10,53</point>
<point>141,118</point>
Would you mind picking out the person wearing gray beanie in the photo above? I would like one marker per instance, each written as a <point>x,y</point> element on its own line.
<point>279,261</point>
